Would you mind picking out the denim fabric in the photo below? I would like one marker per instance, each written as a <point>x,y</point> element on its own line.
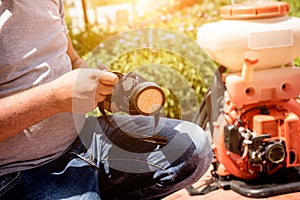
<point>108,163</point>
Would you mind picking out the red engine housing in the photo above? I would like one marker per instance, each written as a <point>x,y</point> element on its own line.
<point>280,147</point>
<point>258,132</point>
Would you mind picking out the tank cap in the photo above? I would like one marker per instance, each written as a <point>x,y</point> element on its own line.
<point>254,10</point>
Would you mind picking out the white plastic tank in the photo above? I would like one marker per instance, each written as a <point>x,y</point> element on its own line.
<point>254,25</point>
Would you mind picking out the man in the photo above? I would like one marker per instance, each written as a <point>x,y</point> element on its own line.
<point>48,150</point>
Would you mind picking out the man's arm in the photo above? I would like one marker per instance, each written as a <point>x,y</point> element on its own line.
<point>29,107</point>
<point>74,57</point>
<point>25,109</point>
<point>86,87</point>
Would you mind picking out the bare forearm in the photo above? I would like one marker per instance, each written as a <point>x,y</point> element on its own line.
<point>85,87</point>
<point>25,109</point>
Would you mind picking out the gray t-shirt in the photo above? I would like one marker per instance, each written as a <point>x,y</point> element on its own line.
<point>33,48</point>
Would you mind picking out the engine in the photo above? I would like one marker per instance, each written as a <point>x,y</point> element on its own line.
<point>257,140</point>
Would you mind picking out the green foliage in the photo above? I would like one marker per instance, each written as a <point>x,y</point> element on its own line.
<point>294,7</point>
<point>84,41</point>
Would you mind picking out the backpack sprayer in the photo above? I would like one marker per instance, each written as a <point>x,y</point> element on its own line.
<point>253,109</point>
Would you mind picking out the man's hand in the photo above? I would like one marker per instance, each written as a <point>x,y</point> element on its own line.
<point>82,89</point>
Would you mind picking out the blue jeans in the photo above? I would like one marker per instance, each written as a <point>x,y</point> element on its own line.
<point>106,163</point>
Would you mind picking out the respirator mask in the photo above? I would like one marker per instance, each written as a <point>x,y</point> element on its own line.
<point>135,95</point>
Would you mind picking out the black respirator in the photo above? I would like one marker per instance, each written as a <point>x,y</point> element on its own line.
<point>135,95</point>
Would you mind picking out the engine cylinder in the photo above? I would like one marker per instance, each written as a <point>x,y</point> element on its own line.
<point>275,152</point>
